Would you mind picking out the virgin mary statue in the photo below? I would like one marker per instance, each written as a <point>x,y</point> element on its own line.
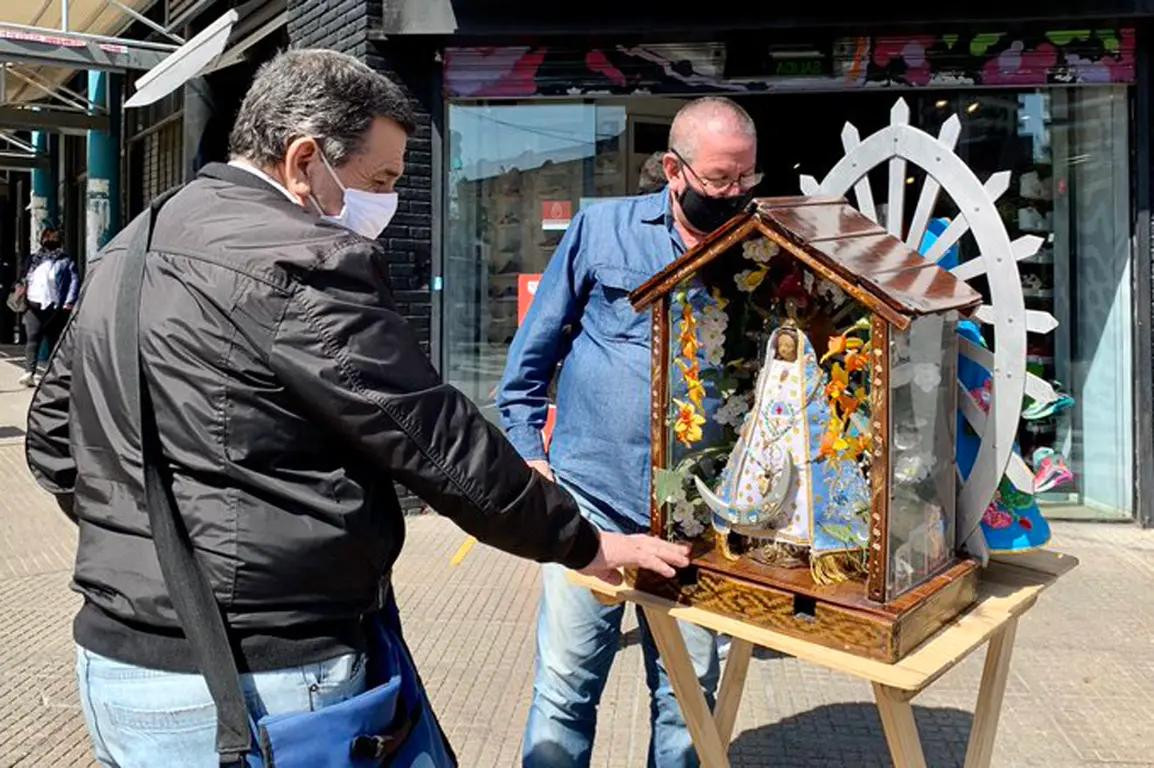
<point>774,486</point>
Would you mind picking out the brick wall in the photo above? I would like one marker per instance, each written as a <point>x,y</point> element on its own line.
<point>344,26</point>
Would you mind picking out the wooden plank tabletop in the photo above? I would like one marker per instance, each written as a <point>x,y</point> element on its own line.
<point>1009,586</point>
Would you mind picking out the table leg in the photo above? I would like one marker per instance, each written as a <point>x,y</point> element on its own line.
<point>899,726</point>
<point>985,726</point>
<point>732,686</point>
<point>687,688</point>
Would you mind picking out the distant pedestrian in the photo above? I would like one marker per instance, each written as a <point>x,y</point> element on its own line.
<point>51,286</point>
<point>652,174</point>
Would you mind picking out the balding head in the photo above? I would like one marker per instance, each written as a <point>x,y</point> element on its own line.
<point>711,164</point>
<point>707,117</point>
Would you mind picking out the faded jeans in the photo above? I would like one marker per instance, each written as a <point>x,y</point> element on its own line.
<point>577,638</point>
<point>140,717</point>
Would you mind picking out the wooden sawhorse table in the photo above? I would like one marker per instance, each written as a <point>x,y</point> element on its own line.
<point>1008,588</point>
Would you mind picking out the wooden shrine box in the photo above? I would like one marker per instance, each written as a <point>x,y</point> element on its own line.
<point>861,417</point>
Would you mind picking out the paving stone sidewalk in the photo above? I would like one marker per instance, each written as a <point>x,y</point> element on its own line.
<point>1081,691</point>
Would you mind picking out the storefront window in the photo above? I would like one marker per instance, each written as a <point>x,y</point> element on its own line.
<point>517,175</point>
<point>518,171</point>
<point>1068,152</point>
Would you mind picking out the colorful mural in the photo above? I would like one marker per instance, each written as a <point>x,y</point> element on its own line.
<point>1066,57</point>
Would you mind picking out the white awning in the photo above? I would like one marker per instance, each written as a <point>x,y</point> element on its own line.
<point>221,44</point>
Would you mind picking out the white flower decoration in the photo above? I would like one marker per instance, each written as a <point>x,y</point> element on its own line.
<point>912,467</point>
<point>927,376</point>
<point>712,343</point>
<point>834,294</point>
<point>713,315</point>
<point>760,250</point>
<point>733,411</point>
<point>685,515</point>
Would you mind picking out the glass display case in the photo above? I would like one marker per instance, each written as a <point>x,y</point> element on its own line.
<point>804,406</point>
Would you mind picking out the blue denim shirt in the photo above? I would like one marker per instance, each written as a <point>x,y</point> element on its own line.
<point>601,438</point>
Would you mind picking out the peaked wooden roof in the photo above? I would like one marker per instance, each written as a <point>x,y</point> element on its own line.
<point>840,244</point>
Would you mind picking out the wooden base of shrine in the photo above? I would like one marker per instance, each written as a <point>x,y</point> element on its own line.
<point>837,616</point>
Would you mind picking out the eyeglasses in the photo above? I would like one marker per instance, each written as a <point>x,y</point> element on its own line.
<point>718,187</point>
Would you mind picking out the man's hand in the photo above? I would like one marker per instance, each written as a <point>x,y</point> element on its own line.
<point>542,466</point>
<point>638,550</point>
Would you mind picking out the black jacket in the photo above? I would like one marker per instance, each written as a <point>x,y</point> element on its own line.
<point>289,396</point>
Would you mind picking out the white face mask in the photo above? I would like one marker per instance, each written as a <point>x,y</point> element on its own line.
<point>366,213</point>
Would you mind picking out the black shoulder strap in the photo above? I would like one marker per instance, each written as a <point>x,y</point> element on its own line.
<point>188,587</point>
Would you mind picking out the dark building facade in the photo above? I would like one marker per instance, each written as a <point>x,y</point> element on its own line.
<point>530,114</point>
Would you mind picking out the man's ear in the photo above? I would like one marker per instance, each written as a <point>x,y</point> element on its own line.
<point>301,153</point>
<point>672,167</point>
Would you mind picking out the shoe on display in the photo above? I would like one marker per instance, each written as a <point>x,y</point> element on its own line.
<point>1030,220</point>
<point>1039,410</point>
<point>1031,186</point>
<point>1051,471</point>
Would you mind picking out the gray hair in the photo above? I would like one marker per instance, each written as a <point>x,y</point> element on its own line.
<point>714,111</point>
<point>652,174</point>
<point>329,96</point>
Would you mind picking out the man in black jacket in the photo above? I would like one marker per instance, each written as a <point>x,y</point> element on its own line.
<point>289,395</point>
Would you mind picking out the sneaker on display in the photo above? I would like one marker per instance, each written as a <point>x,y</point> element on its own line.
<point>1031,186</point>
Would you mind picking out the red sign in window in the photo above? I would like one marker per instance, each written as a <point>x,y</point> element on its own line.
<point>556,214</point>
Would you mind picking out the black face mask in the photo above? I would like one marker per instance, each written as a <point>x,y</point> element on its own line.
<point>706,214</point>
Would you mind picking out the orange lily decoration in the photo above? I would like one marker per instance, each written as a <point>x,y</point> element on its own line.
<point>687,336</point>
<point>836,346</point>
<point>687,426</point>
<point>840,344</point>
<point>692,373</point>
<point>826,450</point>
<point>856,361</point>
<point>689,347</point>
<point>833,441</point>
<point>838,382</point>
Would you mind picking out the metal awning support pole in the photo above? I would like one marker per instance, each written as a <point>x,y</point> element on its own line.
<point>17,142</point>
<point>145,21</point>
<point>43,200</point>
<point>63,15</point>
<point>102,197</point>
<point>145,45</point>
<point>60,93</point>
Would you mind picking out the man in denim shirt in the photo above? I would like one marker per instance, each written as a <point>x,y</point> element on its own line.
<point>601,449</point>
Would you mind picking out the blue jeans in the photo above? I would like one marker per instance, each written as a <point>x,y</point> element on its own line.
<point>145,717</point>
<point>577,638</point>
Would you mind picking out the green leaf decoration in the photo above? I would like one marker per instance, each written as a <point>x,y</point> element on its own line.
<point>666,484</point>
